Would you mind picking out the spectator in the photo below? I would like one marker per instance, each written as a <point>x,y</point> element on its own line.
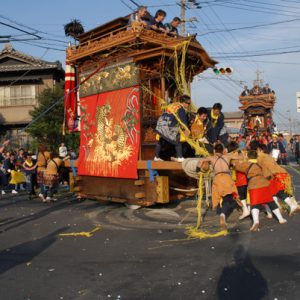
<point>51,178</point>
<point>63,151</point>
<point>275,147</point>
<point>30,166</point>
<point>73,157</point>
<point>283,154</point>
<point>3,180</point>
<point>242,143</point>
<point>9,166</point>
<point>297,149</point>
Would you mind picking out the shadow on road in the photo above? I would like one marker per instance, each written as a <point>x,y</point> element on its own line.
<point>241,280</point>
<point>25,252</point>
<point>29,218</point>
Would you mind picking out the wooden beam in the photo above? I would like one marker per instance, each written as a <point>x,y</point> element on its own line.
<point>142,165</point>
<point>159,165</point>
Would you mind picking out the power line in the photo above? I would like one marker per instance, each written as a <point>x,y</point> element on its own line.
<point>265,54</point>
<point>264,61</point>
<point>19,29</point>
<point>233,5</point>
<point>250,27</point>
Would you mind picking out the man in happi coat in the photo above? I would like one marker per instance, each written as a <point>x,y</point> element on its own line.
<point>258,187</point>
<point>170,125</point>
<point>280,183</point>
<point>224,192</point>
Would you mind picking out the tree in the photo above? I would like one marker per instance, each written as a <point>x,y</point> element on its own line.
<point>47,129</point>
<point>73,28</point>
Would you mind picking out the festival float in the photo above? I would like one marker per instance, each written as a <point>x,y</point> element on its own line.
<point>126,78</point>
<point>257,113</point>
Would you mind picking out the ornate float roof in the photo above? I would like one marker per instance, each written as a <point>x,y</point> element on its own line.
<point>267,101</point>
<point>113,39</point>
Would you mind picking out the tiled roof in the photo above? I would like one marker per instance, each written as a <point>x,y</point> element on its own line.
<point>30,62</point>
<point>22,67</point>
<point>233,115</point>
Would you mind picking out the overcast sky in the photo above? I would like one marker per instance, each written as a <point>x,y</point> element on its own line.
<point>218,29</point>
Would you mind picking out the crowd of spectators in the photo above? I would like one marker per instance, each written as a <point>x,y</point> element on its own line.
<point>19,169</point>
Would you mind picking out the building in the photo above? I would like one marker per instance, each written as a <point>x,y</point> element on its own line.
<point>233,121</point>
<point>22,79</point>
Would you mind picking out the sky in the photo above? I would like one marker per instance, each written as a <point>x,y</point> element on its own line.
<point>273,49</point>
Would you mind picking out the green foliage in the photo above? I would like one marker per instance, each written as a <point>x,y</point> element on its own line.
<point>48,129</point>
<point>73,28</point>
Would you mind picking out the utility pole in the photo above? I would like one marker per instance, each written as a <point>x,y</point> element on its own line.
<point>290,122</point>
<point>258,81</point>
<point>184,4</point>
<point>182,17</point>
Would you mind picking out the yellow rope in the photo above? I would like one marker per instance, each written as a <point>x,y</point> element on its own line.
<point>83,233</point>
<point>195,232</point>
<point>179,72</point>
<point>194,143</point>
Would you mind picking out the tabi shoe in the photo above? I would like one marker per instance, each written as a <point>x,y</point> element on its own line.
<point>177,159</point>
<point>255,216</point>
<point>14,192</point>
<point>157,159</point>
<point>278,214</point>
<point>3,193</point>
<point>293,205</point>
<point>223,224</point>
<point>246,211</point>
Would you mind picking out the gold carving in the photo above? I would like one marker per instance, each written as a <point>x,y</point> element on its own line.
<point>150,135</point>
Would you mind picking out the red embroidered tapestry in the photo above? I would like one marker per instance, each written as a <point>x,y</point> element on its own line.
<point>110,134</point>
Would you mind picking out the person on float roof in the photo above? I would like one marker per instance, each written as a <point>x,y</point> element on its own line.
<point>172,27</point>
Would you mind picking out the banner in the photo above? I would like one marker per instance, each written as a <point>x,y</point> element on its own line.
<point>70,98</point>
<point>110,134</point>
<point>109,78</point>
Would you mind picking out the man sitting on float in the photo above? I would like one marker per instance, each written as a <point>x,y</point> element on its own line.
<point>156,23</point>
<point>139,17</point>
<point>170,125</point>
<point>172,27</point>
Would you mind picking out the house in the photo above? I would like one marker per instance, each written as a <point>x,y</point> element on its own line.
<point>22,79</point>
<point>233,121</point>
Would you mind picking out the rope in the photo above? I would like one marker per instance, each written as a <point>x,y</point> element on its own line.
<point>195,232</point>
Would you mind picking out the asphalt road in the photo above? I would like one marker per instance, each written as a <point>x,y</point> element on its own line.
<point>141,254</point>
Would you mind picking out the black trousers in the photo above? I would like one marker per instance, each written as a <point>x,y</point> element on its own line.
<point>228,205</point>
<point>282,195</point>
<point>160,144</point>
<point>271,204</point>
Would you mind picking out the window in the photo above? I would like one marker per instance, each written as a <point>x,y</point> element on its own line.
<point>17,95</point>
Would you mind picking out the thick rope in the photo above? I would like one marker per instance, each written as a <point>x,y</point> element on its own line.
<point>195,232</point>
